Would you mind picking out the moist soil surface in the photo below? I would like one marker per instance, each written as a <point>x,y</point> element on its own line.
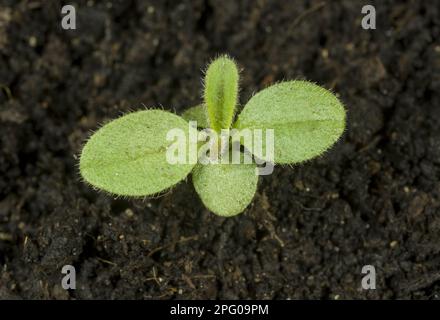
<point>373,199</point>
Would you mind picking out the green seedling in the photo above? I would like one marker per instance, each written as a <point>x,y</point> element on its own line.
<point>128,156</point>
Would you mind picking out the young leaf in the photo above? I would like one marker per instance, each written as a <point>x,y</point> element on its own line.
<point>221,91</point>
<point>225,189</point>
<point>127,156</point>
<point>197,113</point>
<point>307,119</point>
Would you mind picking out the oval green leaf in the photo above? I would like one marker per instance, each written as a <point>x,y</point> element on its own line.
<point>127,156</point>
<point>221,92</point>
<point>197,113</point>
<point>306,118</point>
<point>225,189</point>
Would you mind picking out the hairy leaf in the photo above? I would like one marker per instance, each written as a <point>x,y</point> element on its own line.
<point>127,156</point>
<point>221,91</point>
<point>307,119</point>
<point>225,189</point>
<point>197,113</point>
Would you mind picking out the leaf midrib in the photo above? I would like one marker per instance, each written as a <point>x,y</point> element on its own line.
<point>114,163</point>
<point>271,125</point>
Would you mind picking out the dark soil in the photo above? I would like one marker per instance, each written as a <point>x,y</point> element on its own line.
<point>373,199</point>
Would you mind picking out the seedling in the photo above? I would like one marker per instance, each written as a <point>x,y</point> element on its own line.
<point>129,156</point>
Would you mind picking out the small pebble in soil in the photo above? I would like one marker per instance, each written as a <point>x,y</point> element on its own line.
<point>32,41</point>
